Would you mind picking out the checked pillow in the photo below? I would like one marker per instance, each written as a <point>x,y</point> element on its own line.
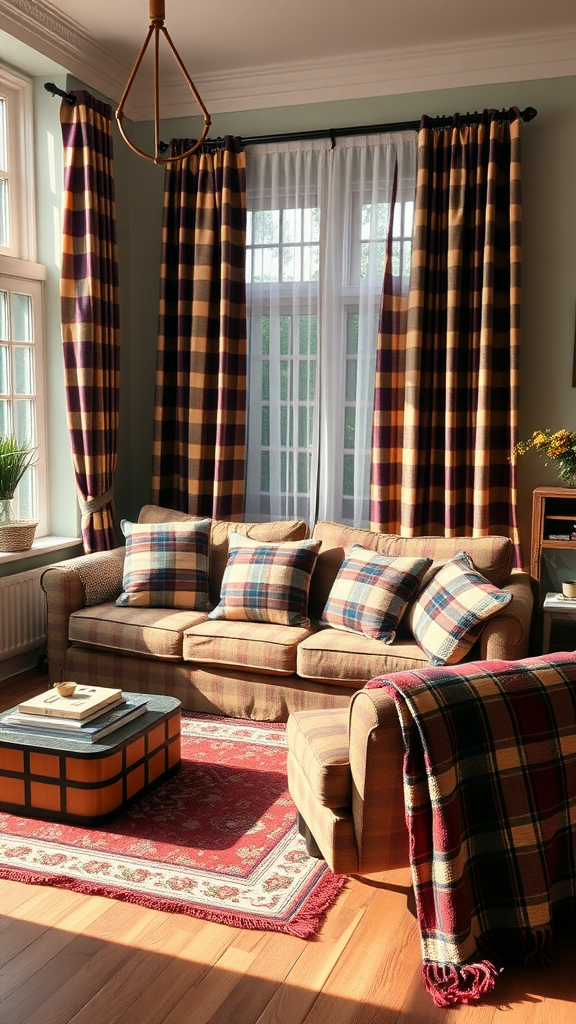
<point>449,614</point>
<point>166,565</point>
<point>267,582</point>
<point>371,591</point>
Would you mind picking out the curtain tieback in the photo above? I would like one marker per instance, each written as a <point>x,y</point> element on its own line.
<point>88,508</point>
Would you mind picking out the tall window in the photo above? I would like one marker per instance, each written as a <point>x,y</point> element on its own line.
<point>21,313</point>
<point>318,225</point>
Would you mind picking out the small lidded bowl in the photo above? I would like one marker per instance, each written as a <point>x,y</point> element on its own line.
<point>65,689</point>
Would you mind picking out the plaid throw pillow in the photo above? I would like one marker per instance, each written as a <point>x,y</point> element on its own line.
<point>166,565</point>
<point>371,591</point>
<point>449,614</point>
<point>267,582</point>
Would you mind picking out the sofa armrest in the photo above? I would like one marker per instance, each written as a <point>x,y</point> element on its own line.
<point>376,752</point>
<point>73,584</point>
<point>506,636</point>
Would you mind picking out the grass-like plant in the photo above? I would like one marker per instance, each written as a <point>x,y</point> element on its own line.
<point>15,458</point>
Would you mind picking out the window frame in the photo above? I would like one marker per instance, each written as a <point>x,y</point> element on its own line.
<point>19,271</point>
<point>16,90</point>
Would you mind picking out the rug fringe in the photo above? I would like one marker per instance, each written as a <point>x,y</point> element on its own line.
<point>304,925</point>
<point>451,984</point>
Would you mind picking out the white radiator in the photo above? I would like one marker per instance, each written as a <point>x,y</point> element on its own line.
<point>22,613</point>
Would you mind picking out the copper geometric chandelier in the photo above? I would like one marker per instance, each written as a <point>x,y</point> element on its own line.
<point>157,15</point>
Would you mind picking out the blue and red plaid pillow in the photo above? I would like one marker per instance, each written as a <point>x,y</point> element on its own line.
<point>371,591</point>
<point>166,565</point>
<point>267,582</point>
<point>449,614</point>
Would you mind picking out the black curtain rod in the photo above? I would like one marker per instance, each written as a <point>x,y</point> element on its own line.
<point>371,129</point>
<point>67,96</point>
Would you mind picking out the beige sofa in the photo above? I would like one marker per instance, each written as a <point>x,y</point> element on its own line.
<point>253,670</point>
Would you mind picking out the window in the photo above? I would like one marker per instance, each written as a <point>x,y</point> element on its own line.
<point>317,230</point>
<point>21,295</point>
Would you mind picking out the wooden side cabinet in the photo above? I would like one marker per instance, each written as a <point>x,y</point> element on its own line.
<point>553,523</point>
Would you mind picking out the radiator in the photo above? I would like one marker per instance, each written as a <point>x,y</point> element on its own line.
<point>22,613</point>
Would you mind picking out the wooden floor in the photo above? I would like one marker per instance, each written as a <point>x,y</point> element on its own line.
<point>67,957</point>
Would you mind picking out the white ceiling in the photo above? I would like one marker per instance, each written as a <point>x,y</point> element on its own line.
<point>245,54</point>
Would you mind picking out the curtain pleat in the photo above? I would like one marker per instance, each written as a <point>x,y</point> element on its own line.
<point>90,312</point>
<point>200,406</point>
<point>447,364</point>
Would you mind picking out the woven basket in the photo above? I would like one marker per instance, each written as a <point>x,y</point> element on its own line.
<point>17,535</point>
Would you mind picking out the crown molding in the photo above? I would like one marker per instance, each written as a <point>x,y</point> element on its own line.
<point>41,26</point>
<point>38,24</point>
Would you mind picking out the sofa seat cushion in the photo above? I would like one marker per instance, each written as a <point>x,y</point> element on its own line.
<point>332,654</point>
<point>262,646</point>
<point>155,632</point>
<point>318,741</point>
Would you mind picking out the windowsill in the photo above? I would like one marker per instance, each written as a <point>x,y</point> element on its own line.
<point>41,546</point>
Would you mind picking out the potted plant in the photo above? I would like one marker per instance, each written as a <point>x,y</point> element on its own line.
<point>15,458</point>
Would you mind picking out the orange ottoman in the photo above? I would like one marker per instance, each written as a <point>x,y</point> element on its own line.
<point>63,779</point>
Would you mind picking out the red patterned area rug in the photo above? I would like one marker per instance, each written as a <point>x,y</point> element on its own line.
<point>218,840</point>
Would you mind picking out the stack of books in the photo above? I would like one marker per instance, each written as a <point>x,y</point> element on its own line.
<point>89,714</point>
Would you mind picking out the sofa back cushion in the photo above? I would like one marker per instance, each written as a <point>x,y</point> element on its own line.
<point>220,530</point>
<point>493,557</point>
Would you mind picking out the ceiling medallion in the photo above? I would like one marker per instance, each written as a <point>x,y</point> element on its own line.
<point>157,15</point>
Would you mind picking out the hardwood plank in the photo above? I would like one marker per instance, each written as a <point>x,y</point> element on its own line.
<point>360,975</point>
<point>153,1004</point>
<point>161,940</point>
<point>294,998</point>
<point>47,944</point>
<point>55,992</point>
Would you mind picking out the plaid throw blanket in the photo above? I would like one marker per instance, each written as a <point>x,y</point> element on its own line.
<point>490,791</point>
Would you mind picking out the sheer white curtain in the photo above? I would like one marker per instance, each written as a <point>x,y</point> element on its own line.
<point>318,220</point>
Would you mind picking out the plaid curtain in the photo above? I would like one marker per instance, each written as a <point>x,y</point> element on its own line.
<point>90,320</point>
<point>200,411</point>
<point>445,414</point>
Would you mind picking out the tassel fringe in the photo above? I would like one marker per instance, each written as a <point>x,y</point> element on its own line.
<point>451,984</point>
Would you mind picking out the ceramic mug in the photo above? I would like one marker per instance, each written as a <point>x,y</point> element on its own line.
<point>569,588</point>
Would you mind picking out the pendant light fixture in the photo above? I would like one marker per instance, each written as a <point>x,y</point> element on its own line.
<point>157,15</point>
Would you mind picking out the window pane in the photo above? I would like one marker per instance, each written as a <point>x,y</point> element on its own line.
<point>265,471</point>
<point>310,262</point>
<point>308,330</point>
<point>302,426</point>
<point>265,426</point>
<point>349,476</point>
<point>21,317</point>
<point>265,266</point>
<point>23,371</point>
<point>351,377</point>
<point>24,421</point>
<point>5,420</point>
<point>408,218</point>
<point>266,381</point>
<point>291,263</point>
<point>25,495</point>
<point>249,227</point>
<point>285,335</point>
<point>4,328</point>
<point>4,370</point>
<point>265,322</point>
<point>284,380</point>
<point>303,474</point>
<point>349,426</point>
<point>266,226</point>
<point>311,221</point>
<point>4,221</point>
<point>292,226</point>
<point>248,266</point>
<point>284,425</point>
<point>352,334</point>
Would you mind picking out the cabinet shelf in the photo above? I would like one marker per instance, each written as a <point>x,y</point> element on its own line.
<point>552,509</point>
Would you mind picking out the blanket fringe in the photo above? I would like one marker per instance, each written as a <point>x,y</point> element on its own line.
<point>451,984</point>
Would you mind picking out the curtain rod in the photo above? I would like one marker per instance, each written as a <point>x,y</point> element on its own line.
<point>67,96</point>
<point>443,121</point>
